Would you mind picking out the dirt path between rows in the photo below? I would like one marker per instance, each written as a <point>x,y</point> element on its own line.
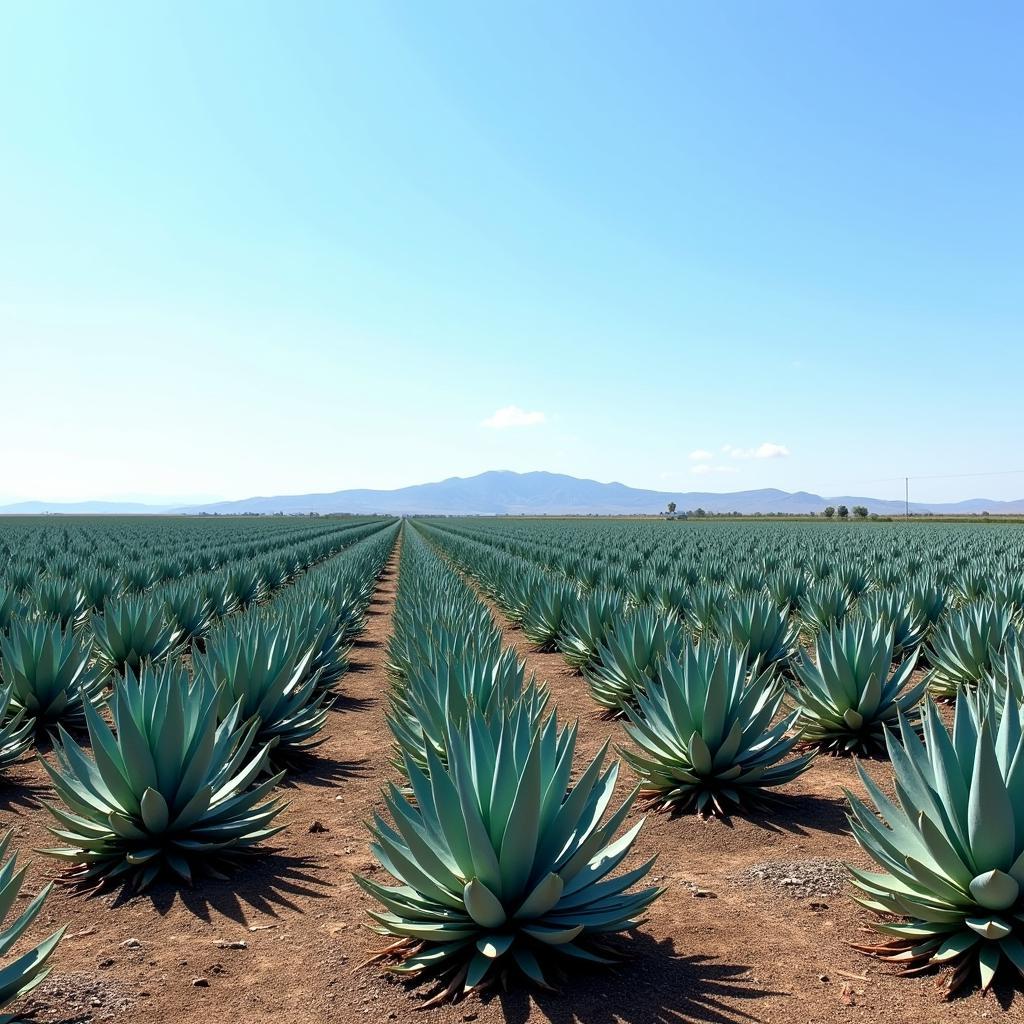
<point>755,920</point>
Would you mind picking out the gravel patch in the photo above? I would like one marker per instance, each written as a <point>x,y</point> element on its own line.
<point>78,997</point>
<point>799,879</point>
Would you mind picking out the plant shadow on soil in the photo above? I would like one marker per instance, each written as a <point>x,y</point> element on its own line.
<point>23,794</point>
<point>271,883</point>
<point>782,812</point>
<point>804,813</point>
<point>323,772</point>
<point>653,985</point>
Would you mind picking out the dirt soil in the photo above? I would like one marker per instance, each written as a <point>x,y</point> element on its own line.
<point>752,927</point>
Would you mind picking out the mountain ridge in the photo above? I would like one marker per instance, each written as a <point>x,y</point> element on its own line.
<point>503,492</point>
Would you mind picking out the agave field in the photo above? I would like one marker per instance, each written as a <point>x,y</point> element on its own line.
<point>512,769</point>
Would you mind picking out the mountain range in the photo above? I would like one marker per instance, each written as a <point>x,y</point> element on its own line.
<point>501,492</point>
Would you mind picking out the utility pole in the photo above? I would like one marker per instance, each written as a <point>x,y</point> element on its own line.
<point>906,481</point>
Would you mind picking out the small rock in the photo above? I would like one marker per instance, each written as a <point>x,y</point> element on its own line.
<point>704,894</point>
<point>104,964</point>
<point>318,827</point>
<point>238,944</point>
<point>200,983</point>
<point>131,944</point>
<point>823,978</point>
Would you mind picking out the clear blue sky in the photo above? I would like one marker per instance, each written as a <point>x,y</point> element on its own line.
<point>269,248</point>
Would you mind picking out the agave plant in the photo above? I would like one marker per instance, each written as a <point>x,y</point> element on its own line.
<point>97,586</point>
<point>223,601</point>
<point>824,606</point>
<point>897,612</point>
<point>320,628</point>
<point>705,606</point>
<point>672,595</point>
<point>167,790</point>
<point>629,656</point>
<point>49,673</point>
<point>705,734</point>
<point>542,618</point>
<point>18,978</point>
<point>505,868</point>
<point>246,585</point>
<point>11,607</point>
<point>138,577</point>
<point>963,646</point>
<point>440,695</point>
<point>850,695</point>
<point>852,577</point>
<point>951,847</point>
<point>59,599</point>
<point>259,666</point>
<point>928,600</point>
<point>765,632</point>
<point>133,630</point>
<point>787,589</point>
<point>586,622</point>
<point>1008,592</point>
<point>189,611</point>
<point>1006,674</point>
<point>16,727</point>
<point>745,581</point>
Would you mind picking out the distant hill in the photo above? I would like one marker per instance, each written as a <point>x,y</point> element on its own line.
<point>82,508</point>
<point>506,493</point>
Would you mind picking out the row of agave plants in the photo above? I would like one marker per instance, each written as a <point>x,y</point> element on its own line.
<point>505,850</point>
<point>75,587</point>
<point>184,753</point>
<point>708,732</point>
<point>49,667</point>
<point>147,548</point>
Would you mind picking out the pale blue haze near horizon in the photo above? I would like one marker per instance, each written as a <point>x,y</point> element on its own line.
<point>255,248</point>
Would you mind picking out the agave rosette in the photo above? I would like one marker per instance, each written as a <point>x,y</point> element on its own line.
<point>166,790</point>
<point>850,693</point>
<point>951,846</point>
<point>771,640</point>
<point>23,974</point>
<point>132,630</point>
<point>504,867</point>
<point>49,672</point>
<point>964,645</point>
<point>629,656</point>
<point>585,623</point>
<point>263,668</point>
<point>440,694</point>
<point>705,736</point>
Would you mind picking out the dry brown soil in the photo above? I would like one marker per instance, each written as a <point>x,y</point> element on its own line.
<point>279,941</point>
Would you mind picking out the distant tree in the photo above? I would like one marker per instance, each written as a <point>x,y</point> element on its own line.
<point>860,511</point>
<point>830,512</point>
<point>671,508</point>
<point>843,512</point>
<point>700,512</point>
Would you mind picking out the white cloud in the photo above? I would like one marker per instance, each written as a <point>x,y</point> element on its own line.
<point>513,416</point>
<point>703,468</point>
<point>765,450</point>
<point>701,455</point>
